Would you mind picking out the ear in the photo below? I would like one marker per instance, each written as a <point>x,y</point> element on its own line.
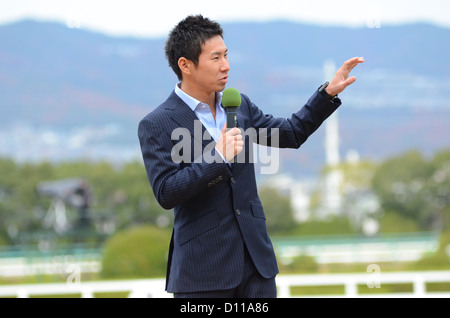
<point>184,64</point>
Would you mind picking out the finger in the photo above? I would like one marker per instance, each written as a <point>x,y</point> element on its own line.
<point>350,80</point>
<point>239,148</point>
<point>351,63</point>
<point>355,60</point>
<point>234,131</point>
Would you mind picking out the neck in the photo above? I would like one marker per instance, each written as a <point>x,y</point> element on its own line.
<point>204,97</point>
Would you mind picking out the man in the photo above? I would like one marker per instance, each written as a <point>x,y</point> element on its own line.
<point>220,246</point>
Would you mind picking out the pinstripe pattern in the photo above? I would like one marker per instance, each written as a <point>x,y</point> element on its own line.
<point>217,208</point>
<point>253,285</point>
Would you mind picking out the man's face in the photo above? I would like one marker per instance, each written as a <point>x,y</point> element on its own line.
<point>211,73</point>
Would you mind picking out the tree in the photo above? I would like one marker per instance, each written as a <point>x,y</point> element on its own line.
<point>136,252</point>
<point>415,188</point>
<point>277,208</point>
<point>437,191</point>
<point>120,193</point>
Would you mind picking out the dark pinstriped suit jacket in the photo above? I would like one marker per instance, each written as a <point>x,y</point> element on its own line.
<point>217,208</point>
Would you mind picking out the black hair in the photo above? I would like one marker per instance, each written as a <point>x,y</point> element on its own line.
<point>186,40</point>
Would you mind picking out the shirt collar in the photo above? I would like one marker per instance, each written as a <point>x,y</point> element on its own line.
<point>191,101</point>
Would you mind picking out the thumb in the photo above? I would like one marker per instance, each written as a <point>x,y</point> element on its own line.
<point>350,80</point>
<point>224,129</point>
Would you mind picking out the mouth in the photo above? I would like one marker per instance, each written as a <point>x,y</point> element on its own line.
<point>224,79</point>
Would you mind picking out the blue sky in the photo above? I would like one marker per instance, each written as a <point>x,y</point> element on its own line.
<point>146,18</point>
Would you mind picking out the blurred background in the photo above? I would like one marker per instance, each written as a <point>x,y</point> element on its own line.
<point>370,187</point>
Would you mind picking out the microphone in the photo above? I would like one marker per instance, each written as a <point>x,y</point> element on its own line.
<point>231,100</point>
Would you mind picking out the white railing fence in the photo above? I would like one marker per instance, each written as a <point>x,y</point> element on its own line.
<point>138,288</point>
<point>374,279</point>
<point>146,288</point>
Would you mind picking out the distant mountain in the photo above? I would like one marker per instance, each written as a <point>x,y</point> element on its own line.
<point>55,75</point>
<point>69,86</point>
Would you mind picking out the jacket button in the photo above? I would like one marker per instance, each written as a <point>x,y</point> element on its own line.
<point>238,212</point>
<point>232,180</point>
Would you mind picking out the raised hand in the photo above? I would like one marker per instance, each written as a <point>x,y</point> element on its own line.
<point>341,79</point>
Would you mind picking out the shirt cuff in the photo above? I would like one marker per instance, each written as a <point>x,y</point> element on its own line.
<point>223,158</point>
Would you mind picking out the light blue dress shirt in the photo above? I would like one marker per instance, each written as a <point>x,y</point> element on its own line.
<point>203,113</point>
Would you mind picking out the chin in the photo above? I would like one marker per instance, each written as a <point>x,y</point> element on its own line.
<point>220,88</point>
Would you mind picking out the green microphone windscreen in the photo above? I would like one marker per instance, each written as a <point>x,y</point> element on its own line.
<point>231,98</point>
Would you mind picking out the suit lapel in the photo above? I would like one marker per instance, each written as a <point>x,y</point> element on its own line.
<point>183,115</point>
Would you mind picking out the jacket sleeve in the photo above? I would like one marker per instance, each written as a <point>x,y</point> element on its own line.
<point>294,131</point>
<point>174,182</point>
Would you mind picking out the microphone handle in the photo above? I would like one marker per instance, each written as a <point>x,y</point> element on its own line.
<point>231,122</point>
<point>231,117</point>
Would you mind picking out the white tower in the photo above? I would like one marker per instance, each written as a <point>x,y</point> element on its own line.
<point>332,200</point>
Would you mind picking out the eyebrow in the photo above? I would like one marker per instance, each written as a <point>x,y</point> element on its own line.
<point>219,53</point>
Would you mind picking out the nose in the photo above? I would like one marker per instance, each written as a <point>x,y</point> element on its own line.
<point>225,67</point>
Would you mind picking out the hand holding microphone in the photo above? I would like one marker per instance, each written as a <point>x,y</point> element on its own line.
<point>230,142</point>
